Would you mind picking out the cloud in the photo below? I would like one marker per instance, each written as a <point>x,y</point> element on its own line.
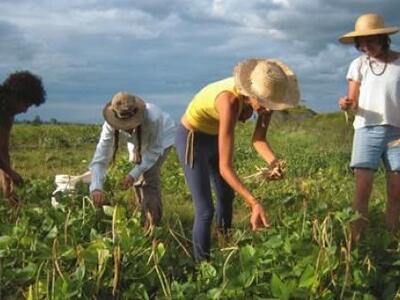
<point>13,44</point>
<point>86,50</point>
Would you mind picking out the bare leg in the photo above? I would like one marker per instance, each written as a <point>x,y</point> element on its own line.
<point>393,201</point>
<point>364,180</point>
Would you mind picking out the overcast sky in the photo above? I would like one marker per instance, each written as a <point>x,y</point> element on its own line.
<point>165,51</point>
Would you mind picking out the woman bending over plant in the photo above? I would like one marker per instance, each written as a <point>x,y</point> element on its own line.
<point>205,140</point>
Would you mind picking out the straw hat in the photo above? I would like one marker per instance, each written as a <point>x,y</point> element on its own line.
<point>272,82</point>
<point>124,111</point>
<point>368,24</point>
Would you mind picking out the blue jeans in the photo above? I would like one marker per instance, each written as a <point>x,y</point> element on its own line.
<point>205,166</point>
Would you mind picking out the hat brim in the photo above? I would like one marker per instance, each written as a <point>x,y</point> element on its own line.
<point>125,124</point>
<point>242,81</point>
<point>348,38</point>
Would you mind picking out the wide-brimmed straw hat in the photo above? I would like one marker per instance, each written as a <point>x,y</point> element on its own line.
<point>368,24</point>
<point>124,111</point>
<point>272,82</point>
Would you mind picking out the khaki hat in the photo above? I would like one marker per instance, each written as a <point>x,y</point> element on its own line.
<point>272,82</point>
<point>368,24</point>
<point>124,111</point>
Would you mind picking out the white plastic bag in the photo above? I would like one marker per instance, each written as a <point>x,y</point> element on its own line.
<point>66,183</point>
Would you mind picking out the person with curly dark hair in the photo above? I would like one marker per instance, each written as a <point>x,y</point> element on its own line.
<point>18,92</point>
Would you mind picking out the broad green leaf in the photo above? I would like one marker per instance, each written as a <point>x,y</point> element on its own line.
<point>207,271</point>
<point>248,252</point>
<point>274,242</point>
<point>108,210</point>
<point>160,250</point>
<point>52,233</point>
<point>246,278</point>
<point>5,241</point>
<point>27,273</point>
<point>79,273</point>
<point>278,288</point>
<point>308,278</point>
<point>214,293</point>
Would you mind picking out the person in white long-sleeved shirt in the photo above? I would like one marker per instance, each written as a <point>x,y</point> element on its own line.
<point>150,134</point>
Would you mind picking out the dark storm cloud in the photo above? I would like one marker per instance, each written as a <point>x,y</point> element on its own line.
<point>13,44</point>
<point>86,50</point>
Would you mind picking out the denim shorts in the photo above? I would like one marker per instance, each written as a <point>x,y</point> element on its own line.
<point>370,146</point>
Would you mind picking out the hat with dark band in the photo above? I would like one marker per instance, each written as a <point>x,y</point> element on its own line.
<point>124,111</point>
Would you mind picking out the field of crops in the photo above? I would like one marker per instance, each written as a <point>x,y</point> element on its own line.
<point>66,248</point>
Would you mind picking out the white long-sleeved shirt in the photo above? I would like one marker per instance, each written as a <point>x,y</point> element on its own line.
<point>158,133</point>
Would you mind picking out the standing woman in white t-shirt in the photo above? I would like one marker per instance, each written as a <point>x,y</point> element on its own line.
<point>374,95</point>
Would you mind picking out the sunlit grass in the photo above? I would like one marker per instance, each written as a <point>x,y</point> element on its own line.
<point>71,248</point>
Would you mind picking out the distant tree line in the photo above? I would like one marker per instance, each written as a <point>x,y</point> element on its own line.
<point>37,120</point>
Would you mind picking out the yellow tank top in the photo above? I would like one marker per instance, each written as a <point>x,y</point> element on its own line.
<point>202,113</point>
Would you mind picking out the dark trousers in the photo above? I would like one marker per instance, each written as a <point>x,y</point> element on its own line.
<point>148,193</point>
<point>205,167</point>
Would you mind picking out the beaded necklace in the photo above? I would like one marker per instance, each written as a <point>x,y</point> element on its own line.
<point>374,64</point>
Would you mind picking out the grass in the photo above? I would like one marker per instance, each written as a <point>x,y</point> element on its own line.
<point>71,250</point>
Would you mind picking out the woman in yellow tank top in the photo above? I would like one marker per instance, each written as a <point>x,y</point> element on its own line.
<point>205,141</point>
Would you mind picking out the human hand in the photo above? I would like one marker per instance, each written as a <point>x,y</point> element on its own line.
<point>258,219</point>
<point>345,103</point>
<point>8,189</point>
<point>276,170</point>
<point>394,143</point>
<point>15,178</point>
<point>98,197</point>
<point>13,200</point>
<point>127,182</point>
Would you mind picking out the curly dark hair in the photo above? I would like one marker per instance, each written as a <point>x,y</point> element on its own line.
<point>24,86</point>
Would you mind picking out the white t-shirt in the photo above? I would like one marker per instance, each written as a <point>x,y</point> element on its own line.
<point>379,100</point>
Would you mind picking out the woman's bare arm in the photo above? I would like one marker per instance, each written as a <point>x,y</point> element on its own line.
<point>228,108</point>
<point>260,142</point>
